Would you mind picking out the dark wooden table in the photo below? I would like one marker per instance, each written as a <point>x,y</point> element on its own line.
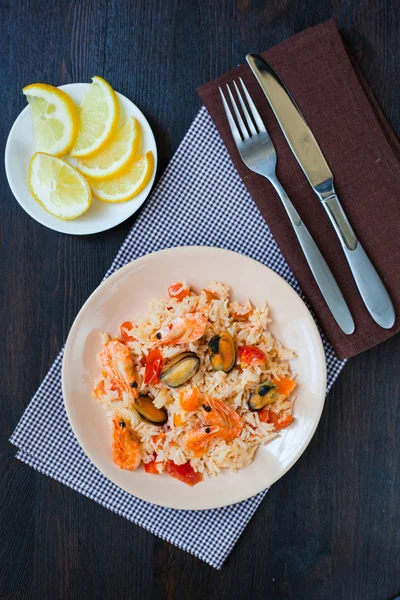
<point>331,527</point>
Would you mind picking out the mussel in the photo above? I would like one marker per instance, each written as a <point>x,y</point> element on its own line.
<point>146,411</point>
<point>180,369</point>
<point>221,349</point>
<point>265,393</point>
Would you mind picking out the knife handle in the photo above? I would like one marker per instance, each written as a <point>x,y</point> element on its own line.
<point>319,268</point>
<point>369,284</point>
<point>339,221</point>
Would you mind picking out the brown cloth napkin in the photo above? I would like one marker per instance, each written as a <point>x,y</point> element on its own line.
<point>363,154</point>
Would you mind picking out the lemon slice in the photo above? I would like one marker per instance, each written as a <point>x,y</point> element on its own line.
<point>116,156</point>
<point>129,184</point>
<point>58,187</point>
<point>55,118</point>
<point>99,113</point>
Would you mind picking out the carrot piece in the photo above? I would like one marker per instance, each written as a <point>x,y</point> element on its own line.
<point>179,291</point>
<point>243,312</point>
<point>160,437</point>
<point>189,399</point>
<point>285,385</point>
<point>177,420</point>
<point>210,295</point>
<point>99,390</point>
<point>124,329</point>
<point>284,422</point>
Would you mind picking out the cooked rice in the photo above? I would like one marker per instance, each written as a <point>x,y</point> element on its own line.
<point>233,388</point>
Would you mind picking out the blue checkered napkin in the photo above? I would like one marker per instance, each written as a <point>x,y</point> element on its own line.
<point>200,200</point>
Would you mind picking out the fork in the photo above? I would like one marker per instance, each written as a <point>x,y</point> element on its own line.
<point>258,153</point>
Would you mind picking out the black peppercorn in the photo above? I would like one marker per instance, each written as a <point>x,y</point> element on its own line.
<point>208,430</point>
<point>158,336</point>
<point>134,384</point>
<point>207,408</point>
<point>122,423</point>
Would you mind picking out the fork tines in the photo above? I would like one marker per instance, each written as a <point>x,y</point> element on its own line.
<point>247,126</point>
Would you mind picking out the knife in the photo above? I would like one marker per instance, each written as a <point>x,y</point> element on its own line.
<point>310,158</point>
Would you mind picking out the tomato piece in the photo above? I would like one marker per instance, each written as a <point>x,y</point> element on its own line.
<point>154,363</point>
<point>249,356</point>
<point>285,385</point>
<point>152,467</point>
<point>124,328</point>
<point>190,399</point>
<point>269,416</point>
<point>179,291</point>
<point>184,473</point>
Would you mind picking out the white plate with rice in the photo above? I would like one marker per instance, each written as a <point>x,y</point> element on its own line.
<point>233,452</point>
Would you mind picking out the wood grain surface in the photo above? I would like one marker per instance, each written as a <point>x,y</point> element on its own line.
<point>330,528</point>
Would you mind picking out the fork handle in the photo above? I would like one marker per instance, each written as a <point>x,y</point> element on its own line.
<point>319,268</point>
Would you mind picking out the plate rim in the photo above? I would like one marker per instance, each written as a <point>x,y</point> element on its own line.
<point>109,280</point>
<point>7,164</point>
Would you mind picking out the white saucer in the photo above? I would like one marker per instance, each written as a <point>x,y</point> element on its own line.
<point>21,146</point>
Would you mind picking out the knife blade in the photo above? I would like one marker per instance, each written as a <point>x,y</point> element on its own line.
<point>310,158</point>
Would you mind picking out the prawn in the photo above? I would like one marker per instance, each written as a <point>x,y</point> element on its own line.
<point>182,330</point>
<point>117,361</point>
<point>197,440</point>
<point>217,413</point>
<point>223,423</point>
<point>125,445</point>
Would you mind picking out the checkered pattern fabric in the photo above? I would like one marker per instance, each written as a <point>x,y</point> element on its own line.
<point>200,200</point>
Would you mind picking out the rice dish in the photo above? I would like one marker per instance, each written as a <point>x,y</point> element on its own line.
<point>196,385</point>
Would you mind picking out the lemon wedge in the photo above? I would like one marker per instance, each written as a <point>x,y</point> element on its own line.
<point>55,118</point>
<point>99,113</point>
<point>129,184</point>
<point>58,187</point>
<point>116,156</point>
